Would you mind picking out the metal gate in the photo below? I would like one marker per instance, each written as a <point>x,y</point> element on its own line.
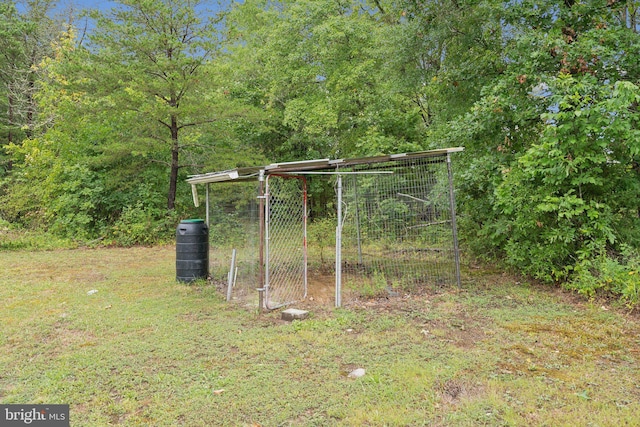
<point>285,275</point>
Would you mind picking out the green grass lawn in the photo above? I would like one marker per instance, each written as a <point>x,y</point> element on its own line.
<point>146,351</point>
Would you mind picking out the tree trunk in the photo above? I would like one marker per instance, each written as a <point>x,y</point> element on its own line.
<point>173,179</point>
<point>30,106</point>
<point>9,165</point>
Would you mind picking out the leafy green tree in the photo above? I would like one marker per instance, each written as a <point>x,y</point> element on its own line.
<point>551,177</point>
<point>149,61</point>
<point>52,185</point>
<point>25,40</point>
<point>102,162</point>
<point>321,72</point>
<point>320,69</point>
<point>444,53</point>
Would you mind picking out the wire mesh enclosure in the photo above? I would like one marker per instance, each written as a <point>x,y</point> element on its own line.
<point>234,230</point>
<point>393,228</point>
<point>397,226</point>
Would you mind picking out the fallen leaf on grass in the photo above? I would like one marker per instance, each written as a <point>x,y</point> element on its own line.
<point>218,391</point>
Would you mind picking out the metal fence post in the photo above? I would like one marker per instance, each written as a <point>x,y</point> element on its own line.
<point>339,245</point>
<point>452,204</point>
<point>261,198</point>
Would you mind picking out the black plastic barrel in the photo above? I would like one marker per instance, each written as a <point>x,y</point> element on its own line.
<point>192,250</point>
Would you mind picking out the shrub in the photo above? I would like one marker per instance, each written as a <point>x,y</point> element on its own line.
<point>609,275</point>
<point>143,225</point>
<point>322,235</point>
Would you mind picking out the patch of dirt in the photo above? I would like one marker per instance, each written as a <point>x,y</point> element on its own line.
<point>457,332</point>
<point>453,391</point>
<point>321,288</point>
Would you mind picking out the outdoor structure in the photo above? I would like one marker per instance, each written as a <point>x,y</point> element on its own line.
<point>393,229</point>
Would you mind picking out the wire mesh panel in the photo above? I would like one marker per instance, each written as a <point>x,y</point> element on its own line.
<point>285,240</point>
<point>234,226</point>
<point>397,226</point>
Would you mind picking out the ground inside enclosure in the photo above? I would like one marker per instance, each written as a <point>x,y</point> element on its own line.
<point>357,286</point>
<point>111,333</point>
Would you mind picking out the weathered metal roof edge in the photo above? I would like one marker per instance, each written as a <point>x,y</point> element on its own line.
<point>249,173</point>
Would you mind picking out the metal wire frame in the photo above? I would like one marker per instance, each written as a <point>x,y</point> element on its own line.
<point>234,226</point>
<point>397,231</point>
<point>285,240</point>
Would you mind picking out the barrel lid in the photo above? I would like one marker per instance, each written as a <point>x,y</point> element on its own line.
<point>192,221</point>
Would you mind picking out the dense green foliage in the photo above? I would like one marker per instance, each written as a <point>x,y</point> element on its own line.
<point>552,182</point>
<point>543,95</point>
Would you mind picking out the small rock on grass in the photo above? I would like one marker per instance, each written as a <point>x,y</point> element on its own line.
<point>357,373</point>
<point>294,314</point>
